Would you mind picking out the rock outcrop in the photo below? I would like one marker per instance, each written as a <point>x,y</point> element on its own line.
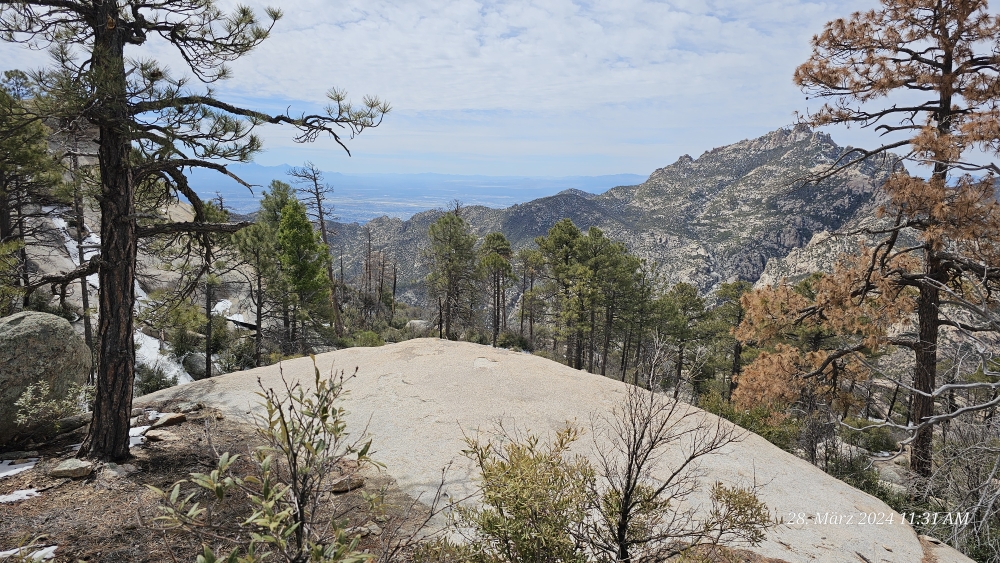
<point>419,399</point>
<point>37,348</point>
<point>194,363</point>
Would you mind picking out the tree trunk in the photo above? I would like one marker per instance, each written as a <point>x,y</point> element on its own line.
<point>108,437</point>
<point>924,372</point>
<point>679,368</point>
<point>22,253</point>
<point>208,306</point>
<point>6,228</point>
<point>496,308</point>
<point>590,341</point>
<point>392,312</point>
<point>737,366</point>
<point>259,337</point>
<point>337,326</point>
<point>609,315</point>
<point>892,403</point>
<point>286,336</point>
<point>88,331</point>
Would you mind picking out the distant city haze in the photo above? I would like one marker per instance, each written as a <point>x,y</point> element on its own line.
<point>362,197</point>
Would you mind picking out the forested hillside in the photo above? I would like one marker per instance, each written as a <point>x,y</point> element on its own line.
<point>703,221</point>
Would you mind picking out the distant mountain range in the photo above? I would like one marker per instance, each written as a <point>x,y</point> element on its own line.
<point>362,197</point>
<point>705,221</point>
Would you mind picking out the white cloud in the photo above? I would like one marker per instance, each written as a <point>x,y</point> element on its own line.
<point>555,87</point>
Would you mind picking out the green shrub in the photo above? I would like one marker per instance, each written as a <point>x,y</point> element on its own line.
<point>222,335</point>
<point>513,341</point>
<point>240,355</point>
<point>859,432</point>
<point>442,551</point>
<point>39,408</point>
<point>307,448</point>
<point>858,472</point>
<point>151,379</point>
<point>183,341</point>
<point>368,339</point>
<point>780,430</point>
<point>395,335</point>
<point>535,500</point>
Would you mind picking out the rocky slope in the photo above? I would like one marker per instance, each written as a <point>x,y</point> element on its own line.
<point>708,220</point>
<point>419,399</point>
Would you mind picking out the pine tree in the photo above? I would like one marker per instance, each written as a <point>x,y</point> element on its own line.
<point>939,60</point>
<point>453,273</point>
<point>495,263</point>
<point>258,249</point>
<point>304,259</point>
<point>27,170</point>
<point>152,127</point>
<point>316,193</point>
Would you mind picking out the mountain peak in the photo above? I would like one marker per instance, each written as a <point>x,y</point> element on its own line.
<point>578,193</point>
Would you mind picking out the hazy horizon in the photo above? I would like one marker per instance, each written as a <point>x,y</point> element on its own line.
<point>360,197</point>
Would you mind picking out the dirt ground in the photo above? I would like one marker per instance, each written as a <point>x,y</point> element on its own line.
<point>107,516</point>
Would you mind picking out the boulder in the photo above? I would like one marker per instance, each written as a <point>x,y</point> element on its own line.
<point>194,364</point>
<point>161,436</point>
<point>72,468</point>
<point>36,348</point>
<point>419,326</point>
<point>345,484</point>
<point>169,419</point>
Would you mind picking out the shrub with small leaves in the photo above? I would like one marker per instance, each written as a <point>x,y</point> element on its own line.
<point>535,500</point>
<point>863,434</point>
<point>368,339</point>
<point>149,379</point>
<point>39,409</point>
<point>306,450</point>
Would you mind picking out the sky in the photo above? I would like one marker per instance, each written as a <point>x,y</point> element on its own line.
<point>554,88</point>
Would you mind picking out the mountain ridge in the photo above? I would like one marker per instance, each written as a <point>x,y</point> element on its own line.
<point>704,221</point>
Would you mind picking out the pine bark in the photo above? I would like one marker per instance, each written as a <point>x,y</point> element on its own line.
<point>108,437</point>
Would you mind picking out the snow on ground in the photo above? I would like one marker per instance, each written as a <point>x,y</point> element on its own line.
<point>19,495</point>
<point>8,468</point>
<point>135,436</point>
<point>91,245</point>
<point>26,553</point>
<point>148,354</point>
<point>222,307</point>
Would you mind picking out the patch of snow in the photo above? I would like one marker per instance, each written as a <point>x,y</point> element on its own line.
<point>90,244</point>
<point>148,354</point>
<point>237,317</point>
<point>141,299</point>
<point>26,554</point>
<point>19,495</point>
<point>137,431</point>
<point>8,468</point>
<point>136,441</point>
<point>222,307</point>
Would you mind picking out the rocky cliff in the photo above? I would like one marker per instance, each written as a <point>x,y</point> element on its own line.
<point>702,220</point>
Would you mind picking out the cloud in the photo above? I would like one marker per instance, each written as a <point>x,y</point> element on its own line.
<point>481,86</point>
